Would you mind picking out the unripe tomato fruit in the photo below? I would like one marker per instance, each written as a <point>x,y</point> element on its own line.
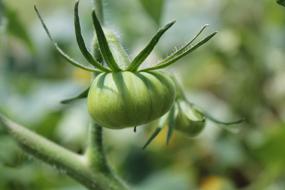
<point>127,99</point>
<point>189,121</point>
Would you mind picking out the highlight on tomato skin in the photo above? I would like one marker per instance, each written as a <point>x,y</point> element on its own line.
<point>127,99</point>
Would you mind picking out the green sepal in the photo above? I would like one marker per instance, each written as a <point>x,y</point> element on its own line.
<point>82,95</point>
<point>119,53</point>
<point>171,124</point>
<point>161,124</point>
<point>148,49</point>
<point>224,122</point>
<point>152,137</point>
<point>81,42</point>
<point>60,51</point>
<point>103,44</point>
<point>184,48</point>
<point>231,126</point>
<point>168,62</point>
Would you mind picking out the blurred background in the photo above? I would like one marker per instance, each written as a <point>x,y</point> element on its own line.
<point>240,73</point>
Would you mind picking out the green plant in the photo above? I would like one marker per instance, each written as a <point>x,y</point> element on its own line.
<point>121,95</point>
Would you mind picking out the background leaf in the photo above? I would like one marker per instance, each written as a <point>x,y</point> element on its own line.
<point>1,12</point>
<point>16,28</point>
<point>281,2</point>
<point>154,8</point>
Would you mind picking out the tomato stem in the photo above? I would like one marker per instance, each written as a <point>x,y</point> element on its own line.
<point>78,167</point>
<point>95,149</point>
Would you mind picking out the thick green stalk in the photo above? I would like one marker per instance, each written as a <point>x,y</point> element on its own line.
<point>95,150</point>
<point>41,147</point>
<point>76,166</point>
<point>95,156</point>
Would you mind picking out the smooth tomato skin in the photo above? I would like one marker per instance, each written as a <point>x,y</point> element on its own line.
<point>126,99</point>
<point>188,127</point>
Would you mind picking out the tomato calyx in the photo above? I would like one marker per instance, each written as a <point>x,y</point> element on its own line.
<point>109,56</point>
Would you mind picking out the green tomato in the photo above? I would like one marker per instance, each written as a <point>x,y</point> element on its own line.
<point>127,99</point>
<point>189,121</point>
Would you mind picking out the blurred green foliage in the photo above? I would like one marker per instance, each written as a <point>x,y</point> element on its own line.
<point>281,2</point>
<point>16,28</point>
<point>238,74</point>
<point>154,8</point>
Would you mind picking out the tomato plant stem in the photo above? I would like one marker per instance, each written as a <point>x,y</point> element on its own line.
<point>95,150</point>
<point>74,165</point>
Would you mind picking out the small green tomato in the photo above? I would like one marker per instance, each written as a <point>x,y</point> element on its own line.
<point>189,121</point>
<point>123,95</point>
